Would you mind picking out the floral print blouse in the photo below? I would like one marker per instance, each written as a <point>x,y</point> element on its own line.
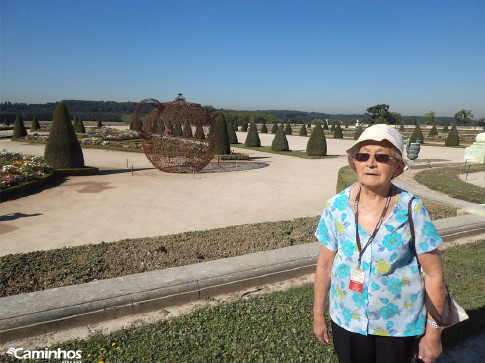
<point>392,299</point>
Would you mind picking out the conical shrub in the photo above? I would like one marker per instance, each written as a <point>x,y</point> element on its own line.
<point>75,122</point>
<point>325,125</point>
<point>338,134</point>
<point>274,129</point>
<point>99,125</point>
<point>445,128</point>
<point>223,146</point>
<point>453,139</point>
<point>63,150</point>
<point>80,129</point>
<point>280,142</point>
<point>6,122</point>
<point>332,128</point>
<point>288,130</point>
<point>358,132</point>
<point>187,130</point>
<point>244,126</point>
<point>303,131</point>
<point>252,139</point>
<point>264,129</point>
<point>417,134</point>
<point>232,134</point>
<point>19,128</point>
<point>401,128</point>
<point>317,143</point>
<point>34,126</point>
<point>132,127</point>
<point>433,131</point>
<point>199,132</point>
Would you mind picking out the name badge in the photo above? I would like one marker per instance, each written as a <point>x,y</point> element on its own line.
<point>356,280</point>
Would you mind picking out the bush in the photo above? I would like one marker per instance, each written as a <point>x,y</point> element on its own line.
<point>433,131</point>
<point>223,146</point>
<point>34,126</point>
<point>303,131</point>
<point>232,134</point>
<point>288,130</point>
<point>332,128</point>
<point>453,139</point>
<point>62,150</point>
<point>317,143</point>
<point>80,129</point>
<point>401,128</point>
<point>131,124</point>
<point>445,128</point>
<point>19,128</point>
<point>417,134</point>
<point>99,125</point>
<point>199,132</point>
<point>187,130</point>
<point>325,125</point>
<point>6,122</point>
<point>358,132</point>
<point>244,126</point>
<point>280,142</point>
<point>252,139</point>
<point>338,134</point>
<point>264,129</point>
<point>274,129</point>
<point>345,178</point>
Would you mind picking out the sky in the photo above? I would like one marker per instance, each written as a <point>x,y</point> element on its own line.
<point>332,56</point>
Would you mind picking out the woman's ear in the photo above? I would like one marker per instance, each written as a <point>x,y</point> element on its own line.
<point>400,169</point>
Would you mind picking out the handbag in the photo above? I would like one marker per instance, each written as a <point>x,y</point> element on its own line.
<point>452,312</point>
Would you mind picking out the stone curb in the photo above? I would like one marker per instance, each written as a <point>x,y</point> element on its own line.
<point>35,313</point>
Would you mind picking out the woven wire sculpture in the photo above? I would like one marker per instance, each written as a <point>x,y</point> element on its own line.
<point>177,136</point>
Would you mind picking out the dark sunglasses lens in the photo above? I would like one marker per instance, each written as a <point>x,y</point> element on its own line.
<point>361,157</point>
<point>382,158</point>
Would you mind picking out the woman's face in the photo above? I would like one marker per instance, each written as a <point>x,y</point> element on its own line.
<point>372,173</point>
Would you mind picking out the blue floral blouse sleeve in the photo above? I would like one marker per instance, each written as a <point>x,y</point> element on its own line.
<point>427,237</point>
<point>326,233</point>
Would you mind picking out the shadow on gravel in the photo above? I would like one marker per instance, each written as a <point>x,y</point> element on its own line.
<point>120,171</point>
<point>467,329</point>
<point>14,216</point>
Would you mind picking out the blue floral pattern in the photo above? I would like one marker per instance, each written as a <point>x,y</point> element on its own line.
<point>392,300</point>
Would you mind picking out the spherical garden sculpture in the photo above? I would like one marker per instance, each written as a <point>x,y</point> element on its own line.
<point>168,149</point>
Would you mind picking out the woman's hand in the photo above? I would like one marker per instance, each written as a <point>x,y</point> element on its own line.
<point>320,329</point>
<point>430,346</point>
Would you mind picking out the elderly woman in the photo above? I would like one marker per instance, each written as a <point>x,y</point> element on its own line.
<point>370,264</point>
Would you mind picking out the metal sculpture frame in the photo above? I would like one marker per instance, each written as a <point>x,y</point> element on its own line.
<point>166,145</point>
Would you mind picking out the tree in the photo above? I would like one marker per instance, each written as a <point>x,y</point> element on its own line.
<point>187,130</point>
<point>338,134</point>
<point>463,117</point>
<point>417,134</point>
<point>80,129</point>
<point>232,134</point>
<point>453,139</point>
<point>274,129</point>
<point>303,131</point>
<point>264,129</point>
<point>317,143</point>
<point>19,128</point>
<point>358,132</point>
<point>223,146</point>
<point>252,139</point>
<point>433,131</point>
<point>381,113</point>
<point>280,142</point>
<point>63,150</point>
<point>199,131</point>
<point>288,130</point>
<point>429,118</point>
<point>34,126</point>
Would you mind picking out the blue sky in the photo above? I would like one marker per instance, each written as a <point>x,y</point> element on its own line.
<point>325,56</point>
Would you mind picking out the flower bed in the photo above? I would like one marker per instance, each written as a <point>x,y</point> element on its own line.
<point>17,168</point>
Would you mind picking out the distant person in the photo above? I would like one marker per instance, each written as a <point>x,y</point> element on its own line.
<point>372,272</point>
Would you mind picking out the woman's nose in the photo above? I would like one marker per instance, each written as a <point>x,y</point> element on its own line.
<point>372,161</point>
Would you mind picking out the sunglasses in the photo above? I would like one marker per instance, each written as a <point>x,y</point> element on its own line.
<point>380,158</point>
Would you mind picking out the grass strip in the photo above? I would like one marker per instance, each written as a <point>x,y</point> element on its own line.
<point>447,180</point>
<point>273,327</point>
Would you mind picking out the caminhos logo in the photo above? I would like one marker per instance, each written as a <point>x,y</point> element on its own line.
<point>20,353</point>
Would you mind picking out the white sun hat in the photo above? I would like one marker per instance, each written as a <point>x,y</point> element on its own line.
<point>378,132</point>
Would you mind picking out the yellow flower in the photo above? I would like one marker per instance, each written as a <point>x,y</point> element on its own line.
<point>355,316</point>
<point>381,332</point>
<point>340,293</point>
<point>340,227</point>
<point>117,348</point>
<point>382,267</point>
<point>113,344</point>
<point>418,207</point>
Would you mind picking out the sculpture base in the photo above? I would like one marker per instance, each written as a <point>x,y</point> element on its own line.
<point>475,152</point>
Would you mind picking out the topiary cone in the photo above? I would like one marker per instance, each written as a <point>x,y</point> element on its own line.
<point>232,134</point>
<point>280,142</point>
<point>63,150</point>
<point>317,143</point>
<point>34,126</point>
<point>19,128</point>
<point>453,139</point>
<point>252,139</point>
<point>223,146</point>
<point>417,134</point>
<point>80,129</point>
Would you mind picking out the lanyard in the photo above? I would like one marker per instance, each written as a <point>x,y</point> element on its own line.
<point>378,226</point>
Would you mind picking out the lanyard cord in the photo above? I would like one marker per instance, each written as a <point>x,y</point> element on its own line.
<point>378,226</point>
